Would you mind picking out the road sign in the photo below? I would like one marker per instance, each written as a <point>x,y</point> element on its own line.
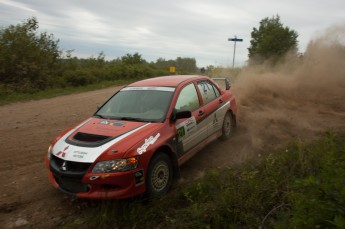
<point>235,39</point>
<point>172,69</point>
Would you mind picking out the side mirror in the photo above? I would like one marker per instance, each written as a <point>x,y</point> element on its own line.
<point>183,114</point>
<point>227,84</point>
<point>180,115</point>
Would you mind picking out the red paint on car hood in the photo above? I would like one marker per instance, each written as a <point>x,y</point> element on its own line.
<point>110,128</point>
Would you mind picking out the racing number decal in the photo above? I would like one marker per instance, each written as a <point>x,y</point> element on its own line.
<point>186,128</point>
<point>181,132</point>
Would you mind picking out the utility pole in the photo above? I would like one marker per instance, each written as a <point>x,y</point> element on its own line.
<point>235,39</point>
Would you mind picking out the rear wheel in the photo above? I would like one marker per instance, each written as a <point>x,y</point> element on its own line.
<point>228,126</point>
<point>159,177</point>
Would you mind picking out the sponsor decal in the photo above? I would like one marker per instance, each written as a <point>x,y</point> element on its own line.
<point>87,154</point>
<point>104,122</point>
<point>190,124</point>
<point>112,123</point>
<point>79,154</point>
<point>62,153</point>
<point>118,124</point>
<point>149,141</point>
<point>185,128</point>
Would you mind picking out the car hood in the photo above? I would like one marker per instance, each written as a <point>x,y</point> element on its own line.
<point>86,142</point>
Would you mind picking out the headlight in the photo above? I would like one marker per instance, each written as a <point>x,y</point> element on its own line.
<point>118,165</point>
<point>50,149</point>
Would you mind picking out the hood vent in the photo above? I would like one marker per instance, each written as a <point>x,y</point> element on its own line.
<point>84,137</point>
<point>88,140</point>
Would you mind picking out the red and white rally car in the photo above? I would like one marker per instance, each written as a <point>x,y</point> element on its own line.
<point>137,140</point>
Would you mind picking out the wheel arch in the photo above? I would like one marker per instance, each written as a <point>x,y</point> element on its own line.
<point>172,155</point>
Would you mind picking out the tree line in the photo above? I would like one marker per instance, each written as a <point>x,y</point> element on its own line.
<point>31,61</point>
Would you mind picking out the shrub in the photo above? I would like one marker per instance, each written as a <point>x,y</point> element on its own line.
<point>79,78</point>
<point>298,187</point>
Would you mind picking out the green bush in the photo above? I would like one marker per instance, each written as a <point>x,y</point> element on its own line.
<point>79,78</point>
<point>299,187</point>
<point>27,58</point>
<point>318,198</point>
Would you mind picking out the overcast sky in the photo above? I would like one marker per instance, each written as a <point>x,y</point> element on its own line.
<point>170,29</point>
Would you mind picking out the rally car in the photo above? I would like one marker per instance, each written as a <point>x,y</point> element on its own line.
<point>137,140</point>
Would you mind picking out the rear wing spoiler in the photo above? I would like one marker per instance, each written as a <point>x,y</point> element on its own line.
<point>223,82</point>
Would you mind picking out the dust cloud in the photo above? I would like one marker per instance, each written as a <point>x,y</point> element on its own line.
<point>301,98</point>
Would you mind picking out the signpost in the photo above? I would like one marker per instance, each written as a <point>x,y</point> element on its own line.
<point>172,69</point>
<point>235,39</point>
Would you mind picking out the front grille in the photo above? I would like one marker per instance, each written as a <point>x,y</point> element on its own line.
<point>68,174</point>
<point>69,165</point>
<point>71,185</point>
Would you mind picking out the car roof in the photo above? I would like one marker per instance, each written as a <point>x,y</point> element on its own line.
<point>167,81</point>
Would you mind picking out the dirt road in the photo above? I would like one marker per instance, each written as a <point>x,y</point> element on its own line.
<point>297,100</point>
<point>26,131</point>
<point>27,198</point>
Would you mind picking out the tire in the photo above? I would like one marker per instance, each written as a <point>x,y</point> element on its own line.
<point>159,176</point>
<point>228,126</point>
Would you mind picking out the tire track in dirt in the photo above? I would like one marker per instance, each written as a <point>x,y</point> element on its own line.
<point>298,99</point>
<point>27,129</point>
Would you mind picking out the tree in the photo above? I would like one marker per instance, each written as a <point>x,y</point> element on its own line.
<point>271,41</point>
<point>183,65</point>
<point>132,59</point>
<point>26,57</point>
<point>186,64</point>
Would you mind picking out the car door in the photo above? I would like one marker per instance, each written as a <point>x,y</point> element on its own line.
<point>190,131</point>
<point>213,106</point>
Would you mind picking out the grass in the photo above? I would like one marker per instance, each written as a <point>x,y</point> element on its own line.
<point>300,186</point>
<point>12,97</point>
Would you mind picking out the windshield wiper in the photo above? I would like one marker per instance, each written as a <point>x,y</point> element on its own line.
<point>100,116</point>
<point>132,119</point>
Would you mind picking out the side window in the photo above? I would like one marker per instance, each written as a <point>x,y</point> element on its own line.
<point>216,91</point>
<point>208,91</point>
<point>187,99</point>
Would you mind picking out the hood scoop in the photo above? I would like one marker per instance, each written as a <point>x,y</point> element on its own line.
<point>97,132</point>
<point>85,137</point>
<point>88,140</point>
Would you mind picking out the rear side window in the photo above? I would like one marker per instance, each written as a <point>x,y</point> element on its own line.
<point>208,91</point>
<point>188,99</point>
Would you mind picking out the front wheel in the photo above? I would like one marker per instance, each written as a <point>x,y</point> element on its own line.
<point>159,177</point>
<point>228,126</point>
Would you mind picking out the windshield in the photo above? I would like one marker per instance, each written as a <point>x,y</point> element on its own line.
<point>146,104</point>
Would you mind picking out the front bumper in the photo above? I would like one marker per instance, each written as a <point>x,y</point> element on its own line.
<point>117,185</point>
